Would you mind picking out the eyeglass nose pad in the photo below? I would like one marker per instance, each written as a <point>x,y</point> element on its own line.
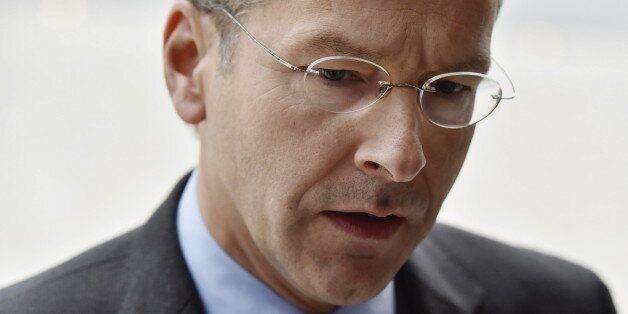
<point>384,88</point>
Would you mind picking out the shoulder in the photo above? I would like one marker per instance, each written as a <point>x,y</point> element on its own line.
<point>517,278</point>
<point>89,281</point>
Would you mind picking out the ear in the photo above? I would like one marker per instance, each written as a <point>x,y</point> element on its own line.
<point>185,46</point>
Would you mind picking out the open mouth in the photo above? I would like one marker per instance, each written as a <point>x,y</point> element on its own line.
<point>365,225</point>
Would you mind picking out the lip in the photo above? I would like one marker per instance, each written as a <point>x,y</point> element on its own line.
<point>364,225</point>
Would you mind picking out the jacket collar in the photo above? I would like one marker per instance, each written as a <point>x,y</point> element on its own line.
<point>432,282</point>
<point>159,281</point>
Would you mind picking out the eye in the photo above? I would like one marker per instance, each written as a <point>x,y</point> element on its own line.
<point>335,75</point>
<point>448,87</point>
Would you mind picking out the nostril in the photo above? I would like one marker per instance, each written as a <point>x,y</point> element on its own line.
<point>371,165</point>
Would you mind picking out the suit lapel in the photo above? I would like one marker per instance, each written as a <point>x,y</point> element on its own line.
<point>431,282</point>
<point>159,279</point>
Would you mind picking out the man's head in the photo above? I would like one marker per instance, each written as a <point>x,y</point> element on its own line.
<point>293,192</point>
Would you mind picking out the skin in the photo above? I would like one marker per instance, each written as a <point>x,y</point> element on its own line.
<point>270,165</point>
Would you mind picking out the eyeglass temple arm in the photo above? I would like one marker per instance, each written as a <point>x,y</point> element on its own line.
<point>509,82</point>
<point>278,58</point>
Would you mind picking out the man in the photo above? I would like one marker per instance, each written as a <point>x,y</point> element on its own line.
<point>330,134</point>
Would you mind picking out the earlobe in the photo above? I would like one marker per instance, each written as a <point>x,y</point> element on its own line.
<point>183,52</point>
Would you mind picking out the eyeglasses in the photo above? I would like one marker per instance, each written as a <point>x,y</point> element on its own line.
<point>344,84</point>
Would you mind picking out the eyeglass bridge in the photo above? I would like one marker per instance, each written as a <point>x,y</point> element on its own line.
<point>387,86</point>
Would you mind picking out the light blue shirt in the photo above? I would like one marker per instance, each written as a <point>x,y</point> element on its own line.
<point>226,287</point>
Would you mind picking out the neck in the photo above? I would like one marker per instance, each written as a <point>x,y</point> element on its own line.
<point>224,222</point>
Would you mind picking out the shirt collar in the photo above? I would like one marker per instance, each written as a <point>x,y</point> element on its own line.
<point>226,287</point>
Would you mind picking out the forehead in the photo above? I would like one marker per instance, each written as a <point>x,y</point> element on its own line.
<point>417,33</point>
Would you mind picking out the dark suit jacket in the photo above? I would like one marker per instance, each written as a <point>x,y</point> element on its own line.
<point>451,271</point>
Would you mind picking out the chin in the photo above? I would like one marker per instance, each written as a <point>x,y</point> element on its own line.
<point>351,282</point>
<point>349,293</point>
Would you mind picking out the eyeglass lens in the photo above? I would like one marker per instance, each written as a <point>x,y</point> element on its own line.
<point>450,100</point>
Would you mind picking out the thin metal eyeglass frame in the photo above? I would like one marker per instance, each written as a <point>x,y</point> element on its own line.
<point>389,85</point>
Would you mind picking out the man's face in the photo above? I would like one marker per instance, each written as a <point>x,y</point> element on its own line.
<point>335,203</point>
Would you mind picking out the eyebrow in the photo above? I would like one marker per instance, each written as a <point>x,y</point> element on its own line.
<point>336,43</point>
<point>480,63</point>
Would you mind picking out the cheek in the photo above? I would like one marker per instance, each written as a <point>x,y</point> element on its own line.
<point>288,144</point>
<point>445,151</point>
<point>281,149</point>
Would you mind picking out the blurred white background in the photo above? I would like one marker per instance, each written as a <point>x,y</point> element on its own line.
<point>89,144</point>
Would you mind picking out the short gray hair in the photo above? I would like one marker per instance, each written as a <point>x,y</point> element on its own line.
<point>226,28</point>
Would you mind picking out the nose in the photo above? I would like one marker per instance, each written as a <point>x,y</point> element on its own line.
<point>392,147</point>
